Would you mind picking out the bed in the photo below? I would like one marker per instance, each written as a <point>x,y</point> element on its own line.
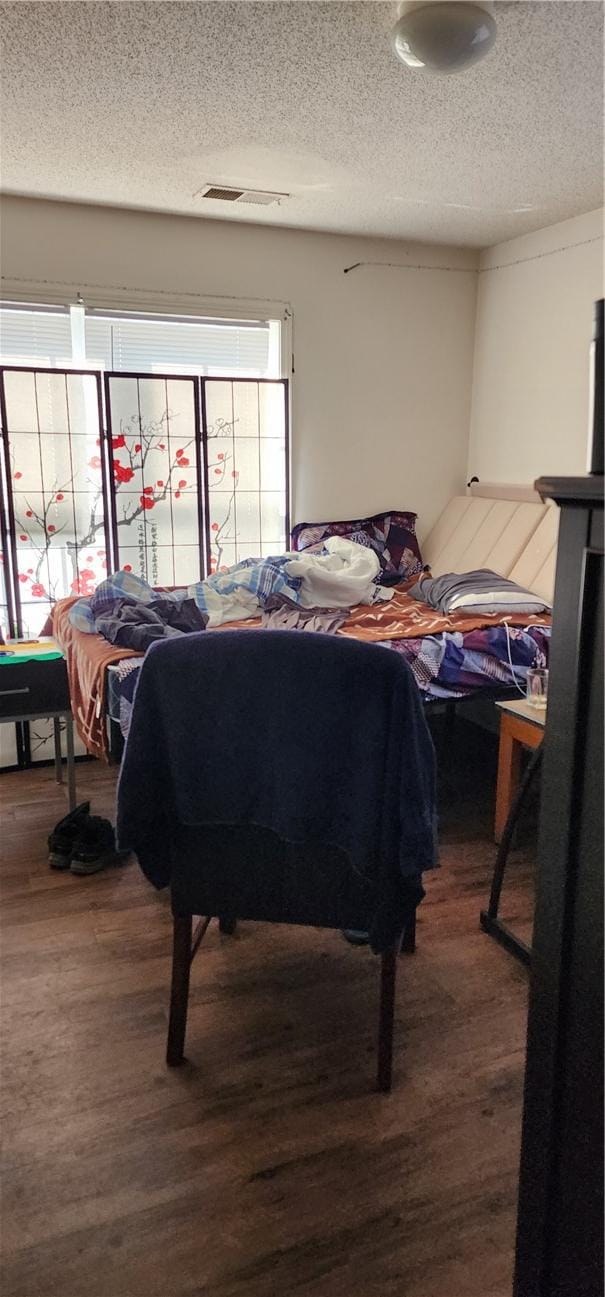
<point>507,529</point>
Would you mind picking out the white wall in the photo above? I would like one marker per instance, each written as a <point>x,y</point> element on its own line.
<point>533,330</point>
<point>381,397</point>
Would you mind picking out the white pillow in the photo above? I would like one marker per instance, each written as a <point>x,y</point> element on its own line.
<point>485,600</point>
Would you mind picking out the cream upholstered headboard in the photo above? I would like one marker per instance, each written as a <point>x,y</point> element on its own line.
<point>505,528</point>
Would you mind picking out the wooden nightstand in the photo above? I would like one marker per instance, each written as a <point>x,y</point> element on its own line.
<point>521,726</point>
<point>34,685</point>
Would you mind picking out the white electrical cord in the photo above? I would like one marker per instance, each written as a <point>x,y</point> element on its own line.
<point>510,660</point>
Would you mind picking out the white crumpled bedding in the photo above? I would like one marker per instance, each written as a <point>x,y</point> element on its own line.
<point>342,575</point>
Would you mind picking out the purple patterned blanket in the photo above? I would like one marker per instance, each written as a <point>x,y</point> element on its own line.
<point>453,664</point>
<point>448,665</point>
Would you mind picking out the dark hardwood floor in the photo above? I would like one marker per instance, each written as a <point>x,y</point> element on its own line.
<point>266,1166</point>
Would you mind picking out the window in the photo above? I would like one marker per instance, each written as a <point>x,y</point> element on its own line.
<point>175,468</point>
<point>183,346</point>
<point>155,443</point>
<point>139,343</point>
<point>246,469</point>
<point>56,520</point>
<point>154,462</point>
<point>180,477</point>
<point>40,336</point>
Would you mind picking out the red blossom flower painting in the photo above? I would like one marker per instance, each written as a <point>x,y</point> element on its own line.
<point>122,473</point>
<point>84,584</point>
<point>61,512</point>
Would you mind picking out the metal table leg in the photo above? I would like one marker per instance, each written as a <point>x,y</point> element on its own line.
<point>489,918</point>
<point>58,761</point>
<point>71,761</point>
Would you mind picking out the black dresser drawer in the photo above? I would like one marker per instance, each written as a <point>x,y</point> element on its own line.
<point>33,688</point>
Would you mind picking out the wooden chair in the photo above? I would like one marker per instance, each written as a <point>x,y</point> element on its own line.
<point>249,873</point>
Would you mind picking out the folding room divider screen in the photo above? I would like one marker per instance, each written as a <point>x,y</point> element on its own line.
<point>168,476</point>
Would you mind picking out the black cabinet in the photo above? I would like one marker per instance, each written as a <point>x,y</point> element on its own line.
<point>34,688</point>
<point>560,1221</point>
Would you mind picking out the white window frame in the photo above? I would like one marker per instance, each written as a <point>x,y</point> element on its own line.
<point>137,301</point>
<point>133,300</point>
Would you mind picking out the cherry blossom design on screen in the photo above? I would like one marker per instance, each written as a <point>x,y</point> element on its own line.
<point>222,476</point>
<point>53,561</point>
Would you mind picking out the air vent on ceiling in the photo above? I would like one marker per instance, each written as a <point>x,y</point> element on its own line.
<point>225,194</point>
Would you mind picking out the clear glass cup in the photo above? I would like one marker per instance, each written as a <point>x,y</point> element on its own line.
<point>537,686</point>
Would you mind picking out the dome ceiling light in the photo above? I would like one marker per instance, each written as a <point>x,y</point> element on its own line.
<point>444,35</point>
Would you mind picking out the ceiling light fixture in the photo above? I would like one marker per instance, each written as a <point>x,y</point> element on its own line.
<point>444,35</point>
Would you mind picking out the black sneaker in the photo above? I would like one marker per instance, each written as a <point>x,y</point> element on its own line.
<point>63,838</point>
<point>96,848</point>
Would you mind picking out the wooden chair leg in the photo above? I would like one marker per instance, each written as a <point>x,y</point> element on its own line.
<point>408,944</point>
<point>179,991</point>
<point>388,973</point>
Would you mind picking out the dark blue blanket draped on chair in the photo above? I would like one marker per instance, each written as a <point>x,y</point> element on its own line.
<point>317,738</point>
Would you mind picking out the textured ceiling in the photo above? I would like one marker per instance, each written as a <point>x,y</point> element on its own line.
<point>140,104</point>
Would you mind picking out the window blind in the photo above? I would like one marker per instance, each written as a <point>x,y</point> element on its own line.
<point>35,337</point>
<point>42,336</point>
<point>178,346</point>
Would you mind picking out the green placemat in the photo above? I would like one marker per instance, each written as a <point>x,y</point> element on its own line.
<point>15,654</point>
